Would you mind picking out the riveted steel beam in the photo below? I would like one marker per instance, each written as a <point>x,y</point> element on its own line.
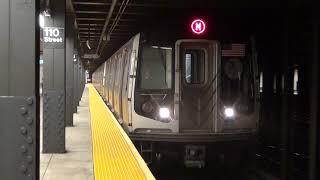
<point>19,90</point>
<point>18,137</point>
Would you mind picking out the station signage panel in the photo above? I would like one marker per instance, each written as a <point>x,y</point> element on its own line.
<point>198,26</point>
<point>53,37</point>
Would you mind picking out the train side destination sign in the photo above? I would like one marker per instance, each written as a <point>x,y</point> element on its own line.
<point>53,37</point>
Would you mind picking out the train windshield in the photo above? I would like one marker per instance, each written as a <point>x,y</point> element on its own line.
<point>237,85</point>
<point>155,67</point>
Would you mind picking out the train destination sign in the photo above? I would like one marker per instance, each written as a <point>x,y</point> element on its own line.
<point>198,26</point>
<point>53,37</point>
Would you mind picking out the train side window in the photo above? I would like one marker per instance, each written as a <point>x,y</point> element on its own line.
<point>194,64</point>
<point>155,68</point>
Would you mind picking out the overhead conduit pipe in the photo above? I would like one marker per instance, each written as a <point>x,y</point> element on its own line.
<point>114,2</point>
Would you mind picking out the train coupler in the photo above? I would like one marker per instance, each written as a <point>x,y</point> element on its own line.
<point>195,156</point>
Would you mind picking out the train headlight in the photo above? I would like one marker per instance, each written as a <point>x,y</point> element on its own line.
<point>147,107</point>
<point>229,112</point>
<point>164,113</point>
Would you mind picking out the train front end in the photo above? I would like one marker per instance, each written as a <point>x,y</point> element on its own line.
<point>198,94</point>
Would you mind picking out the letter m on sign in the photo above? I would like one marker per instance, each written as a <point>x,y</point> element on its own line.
<point>198,26</point>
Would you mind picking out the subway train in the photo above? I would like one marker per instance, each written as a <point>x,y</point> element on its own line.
<point>185,97</point>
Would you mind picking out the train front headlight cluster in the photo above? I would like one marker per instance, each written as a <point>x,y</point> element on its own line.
<point>229,112</point>
<point>164,113</point>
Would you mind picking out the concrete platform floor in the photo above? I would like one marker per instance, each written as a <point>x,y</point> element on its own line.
<point>76,163</point>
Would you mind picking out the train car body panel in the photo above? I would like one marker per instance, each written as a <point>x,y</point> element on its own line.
<point>125,79</point>
<point>118,83</point>
<point>111,82</point>
<point>106,96</point>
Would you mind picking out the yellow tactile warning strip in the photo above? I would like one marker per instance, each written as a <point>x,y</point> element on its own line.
<point>114,155</point>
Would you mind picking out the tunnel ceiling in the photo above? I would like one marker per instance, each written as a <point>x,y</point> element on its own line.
<point>126,20</point>
<point>128,17</point>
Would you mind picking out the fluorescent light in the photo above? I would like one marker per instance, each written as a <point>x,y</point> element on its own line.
<point>41,21</point>
<point>166,48</point>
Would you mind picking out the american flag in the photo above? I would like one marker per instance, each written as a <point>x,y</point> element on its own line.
<point>234,50</point>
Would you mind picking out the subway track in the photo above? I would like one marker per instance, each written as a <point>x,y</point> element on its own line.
<point>218,172</point>
<point>249,170</point>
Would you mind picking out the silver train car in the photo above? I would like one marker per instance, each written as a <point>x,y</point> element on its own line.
<point>196,93</point>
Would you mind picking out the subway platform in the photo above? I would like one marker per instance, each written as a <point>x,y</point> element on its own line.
<point>76,163</point>
<point>96,147</point>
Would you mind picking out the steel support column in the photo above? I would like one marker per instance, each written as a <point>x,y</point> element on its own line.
<point>19,90</point>
<point>69,68</point>
<point>81,77</point>
<point>75,83</point>
<point>79,82</point>
<point>54,86</point>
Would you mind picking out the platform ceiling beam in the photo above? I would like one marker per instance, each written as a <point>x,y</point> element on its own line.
<point>88,3</point>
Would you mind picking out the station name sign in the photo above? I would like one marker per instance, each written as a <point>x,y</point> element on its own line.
<point>53,37</point>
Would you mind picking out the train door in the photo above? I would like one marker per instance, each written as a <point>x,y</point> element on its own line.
<point>111,85</point>
<point>107,80</point>
<point>104,80</point>
<point>118,84</point>
<point>198,69</point>
<point>125,102</point>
